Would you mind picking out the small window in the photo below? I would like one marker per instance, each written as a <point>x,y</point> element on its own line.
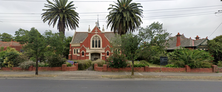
<point>74,51</point>
<point>82,53</point>
<point>77,51</point>
<point>107,53</point>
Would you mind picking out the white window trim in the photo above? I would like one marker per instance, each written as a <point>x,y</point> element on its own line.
<point>76,50</point>
<point>101,42</point>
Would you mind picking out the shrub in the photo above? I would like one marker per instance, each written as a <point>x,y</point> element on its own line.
<point>21,58</point>
<point>144,62</point>
<point>33,59</point>
<point>219,63</point>
<point>139,65</point>
<point>42,64</point>
<point>171,65</point>
<point>68,64</point>
<point>10,58</point>
<point>192,58</point>
<point>100,62</point>
<point>117,61</point>
<point>84,64</point>
<point>56,60</point>
<point>26,64</point>
<point>2,57</point>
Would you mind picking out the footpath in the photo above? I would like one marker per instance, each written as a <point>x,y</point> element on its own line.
<point>69,75</point>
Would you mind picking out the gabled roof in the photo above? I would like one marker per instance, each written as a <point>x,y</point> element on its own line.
<point>81,36</point>
<point>185,42</point>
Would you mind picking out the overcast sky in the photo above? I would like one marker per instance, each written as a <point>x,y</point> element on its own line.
<point>188,17</point>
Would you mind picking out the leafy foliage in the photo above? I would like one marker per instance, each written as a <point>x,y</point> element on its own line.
<point>219,63</point>
<point>193,58</point>
<point>141,63</point>
<point>215,47</point>
<point>84,64</point>
<point>26,64</point>
<point>100,62</point>
<point>62,13</point>
<point>5,37</point>
<point>124,16</point>
<point>171,65</point>
<point>21,58</point>
<point>21,36</point>
<point>10,58</point>
<point>128,44</point>
<point>55,42</point>
<point>68,64</point>
<point>153,42</point>
<point>56,60</point>
<point>67,44</point>
<point>36,44</point>
<point>117,61</point>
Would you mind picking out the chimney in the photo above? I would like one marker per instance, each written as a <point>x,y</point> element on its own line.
<point>197,38</point>
<point>178,39</point>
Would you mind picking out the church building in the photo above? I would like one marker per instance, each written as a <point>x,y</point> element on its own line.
<point>91,45</point>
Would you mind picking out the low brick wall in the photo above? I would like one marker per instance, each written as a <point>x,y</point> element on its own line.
<point>157,69</point>
<point>31,68</point>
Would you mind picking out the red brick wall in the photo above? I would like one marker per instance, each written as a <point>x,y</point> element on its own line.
<point>31,68</point>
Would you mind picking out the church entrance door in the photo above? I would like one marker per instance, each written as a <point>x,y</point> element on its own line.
<point>95,56</point>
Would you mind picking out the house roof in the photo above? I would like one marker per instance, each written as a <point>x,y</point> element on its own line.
<point>184,42</point>
<point>6,44</point>
<point>81,36</point>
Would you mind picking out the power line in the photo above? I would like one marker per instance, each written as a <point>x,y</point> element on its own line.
<point>77,1</point>
<point>216,28</point>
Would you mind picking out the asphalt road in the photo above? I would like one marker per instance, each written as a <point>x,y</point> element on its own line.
<point>47,85</point>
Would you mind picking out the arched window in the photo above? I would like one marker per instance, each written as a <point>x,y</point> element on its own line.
<point>96,42</point>
<point>74,51</point>
<point>77,50</point>
<point>107,53</point>
<point>83,53</point>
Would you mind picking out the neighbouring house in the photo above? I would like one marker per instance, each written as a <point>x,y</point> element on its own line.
<point>12,44</point>
<point>92,45</point>
<point>180,41</point>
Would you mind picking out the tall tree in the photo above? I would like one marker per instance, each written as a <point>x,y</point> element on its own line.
<point>124,16</point>
<point>21,36</point>
<point>128,44</point>
<point>36,43</point>
<point>130,47</point>
<point>215,48</point>
<point>6,37</point>
<point>154,40</point>
<point>62,13</point>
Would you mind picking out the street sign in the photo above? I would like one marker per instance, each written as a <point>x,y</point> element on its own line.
<point>163,60</point>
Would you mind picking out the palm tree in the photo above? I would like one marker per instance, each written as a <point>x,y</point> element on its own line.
<point>124,16</point>
<point>62,13</point>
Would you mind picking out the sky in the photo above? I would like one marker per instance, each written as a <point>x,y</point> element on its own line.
<point>188,17</point>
